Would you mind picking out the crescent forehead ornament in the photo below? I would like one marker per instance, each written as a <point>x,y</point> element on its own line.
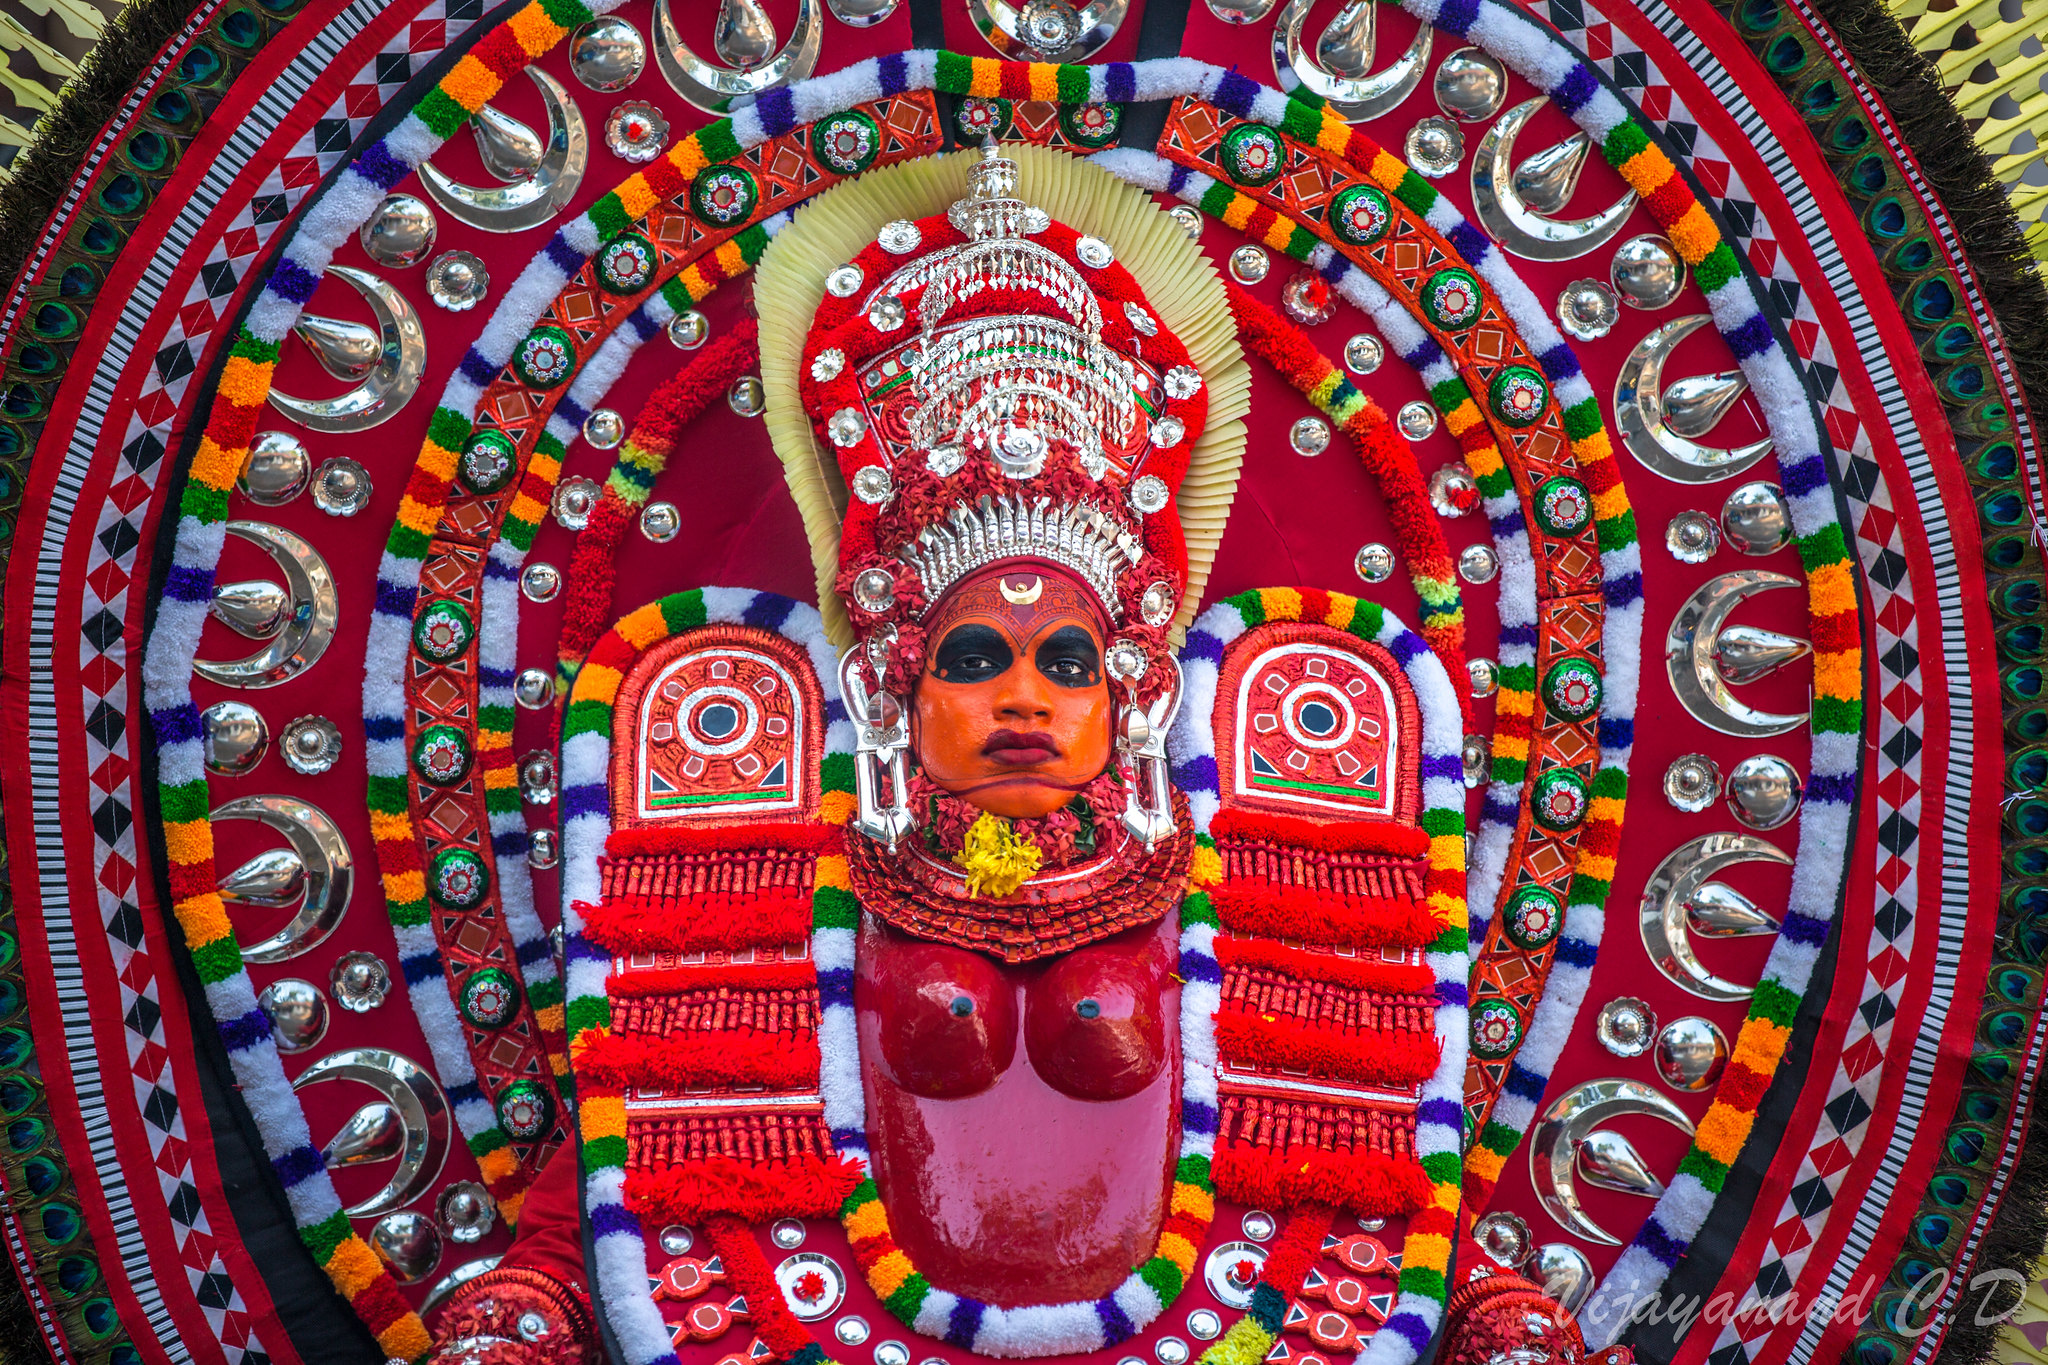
<point>1341,70</point>
<point>1512,201</point>
<point>535,195</point>
<point>390,370</point>
<point>1649,432</point>
<point>423,1115</point>
<point>1558,1147</point>
<point>307,624</point>
<point>318,868</point>
<point>745,38</point>
<point>1667,908</point>
<point>1701,665</point>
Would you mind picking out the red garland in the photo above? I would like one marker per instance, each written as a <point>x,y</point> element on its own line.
<point>1400,841</point>
<point>1368,1184</point>
<point>1390,461</point>
<point>782,838</point>
<point>1382,1057</point>
<point>746,1269</point>
<point>802,1186</point>
<point>722,1058</point>
<point>587,610</point>
<point>1301,915</point>
<point>1296,1250</point>
<point>698,924</point>
<point>1352,973</point>
<point>798,975</point>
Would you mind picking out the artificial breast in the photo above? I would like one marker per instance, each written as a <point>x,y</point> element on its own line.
<point>1095,1022</point>
<point>948,1020</point>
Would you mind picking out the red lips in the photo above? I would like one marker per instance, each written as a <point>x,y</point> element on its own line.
<point>1019,750</point>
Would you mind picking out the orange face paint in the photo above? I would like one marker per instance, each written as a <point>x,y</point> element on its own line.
<point>1012,712</point>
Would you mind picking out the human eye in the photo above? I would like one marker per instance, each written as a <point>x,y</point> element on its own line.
<point>971,653</point>
<point>1069,657</point>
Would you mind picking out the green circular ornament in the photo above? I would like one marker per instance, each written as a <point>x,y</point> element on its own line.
<point>458,879</point>
<point>441,755</point>
<point>846,143</point>
<point>981,117</point>
<point>1091,125</point>
<point>1519,395</point>
<point>1253,154</point>
<point>1361,215</point>
<point>443,631</point>
<point>1559,800</point>
<point>525,1111</point>
<point>490,999</point>
<point>1496,1030</point>
<point>1451,299</point>
<point>1563,506</point>
<point>545,358</point>
<point>722,196</point>
<point>1571,689</point>
<point>627,263</point>
<point>488,462</point>
<point>1532,918</point>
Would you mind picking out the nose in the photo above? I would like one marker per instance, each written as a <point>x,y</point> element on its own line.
<point>1025,698</point>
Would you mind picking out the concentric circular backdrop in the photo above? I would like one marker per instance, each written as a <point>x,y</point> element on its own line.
<point>1659,369</point>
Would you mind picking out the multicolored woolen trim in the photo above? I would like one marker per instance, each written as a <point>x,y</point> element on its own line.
<point>244,386</point>
<point>1539,55</point>
<point>1523,592</point>
<point>1426,1252</point>
<point>391,630</point>
<point>1390,461</point>
<point>619,1258</point>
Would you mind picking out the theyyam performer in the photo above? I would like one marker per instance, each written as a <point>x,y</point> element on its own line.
<point>1257,682</point>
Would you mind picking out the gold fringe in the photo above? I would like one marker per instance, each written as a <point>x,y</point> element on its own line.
<point>1179,282</point>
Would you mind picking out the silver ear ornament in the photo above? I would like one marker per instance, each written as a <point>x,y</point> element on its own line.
<point>881,725</point>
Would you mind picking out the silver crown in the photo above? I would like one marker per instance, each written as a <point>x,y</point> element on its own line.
<point>1079,537</point>
<point>1011,386</point>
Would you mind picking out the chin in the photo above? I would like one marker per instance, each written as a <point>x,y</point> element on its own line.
<point>1020,798</point>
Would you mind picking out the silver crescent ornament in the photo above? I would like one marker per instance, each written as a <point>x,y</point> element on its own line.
<point>385,365</point>
<point>317,871</point>
<point>1047,30</point>
<point>1557,1148</point>
<point>1664,917</point>
<point>1700,662</point>
<point>425,1120</point>
<point>307,625</point>
<point>531,196</point>
<point>1341,70</point>
<point>744,40</point>
<point>1513,204</point>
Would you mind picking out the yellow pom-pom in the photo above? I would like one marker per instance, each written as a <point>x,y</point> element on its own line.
<point>997,861</point>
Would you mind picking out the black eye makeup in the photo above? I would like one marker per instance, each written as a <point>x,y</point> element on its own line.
<point>972,653</point>
<point>1069,657</point>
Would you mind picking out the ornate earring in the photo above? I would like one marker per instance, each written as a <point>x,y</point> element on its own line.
<point>1141,739</point>
<point>882,739</point>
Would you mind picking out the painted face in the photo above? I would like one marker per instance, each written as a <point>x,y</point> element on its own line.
<point>1012,712</point>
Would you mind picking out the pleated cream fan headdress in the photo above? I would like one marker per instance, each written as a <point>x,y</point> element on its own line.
<point>992,357</point>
